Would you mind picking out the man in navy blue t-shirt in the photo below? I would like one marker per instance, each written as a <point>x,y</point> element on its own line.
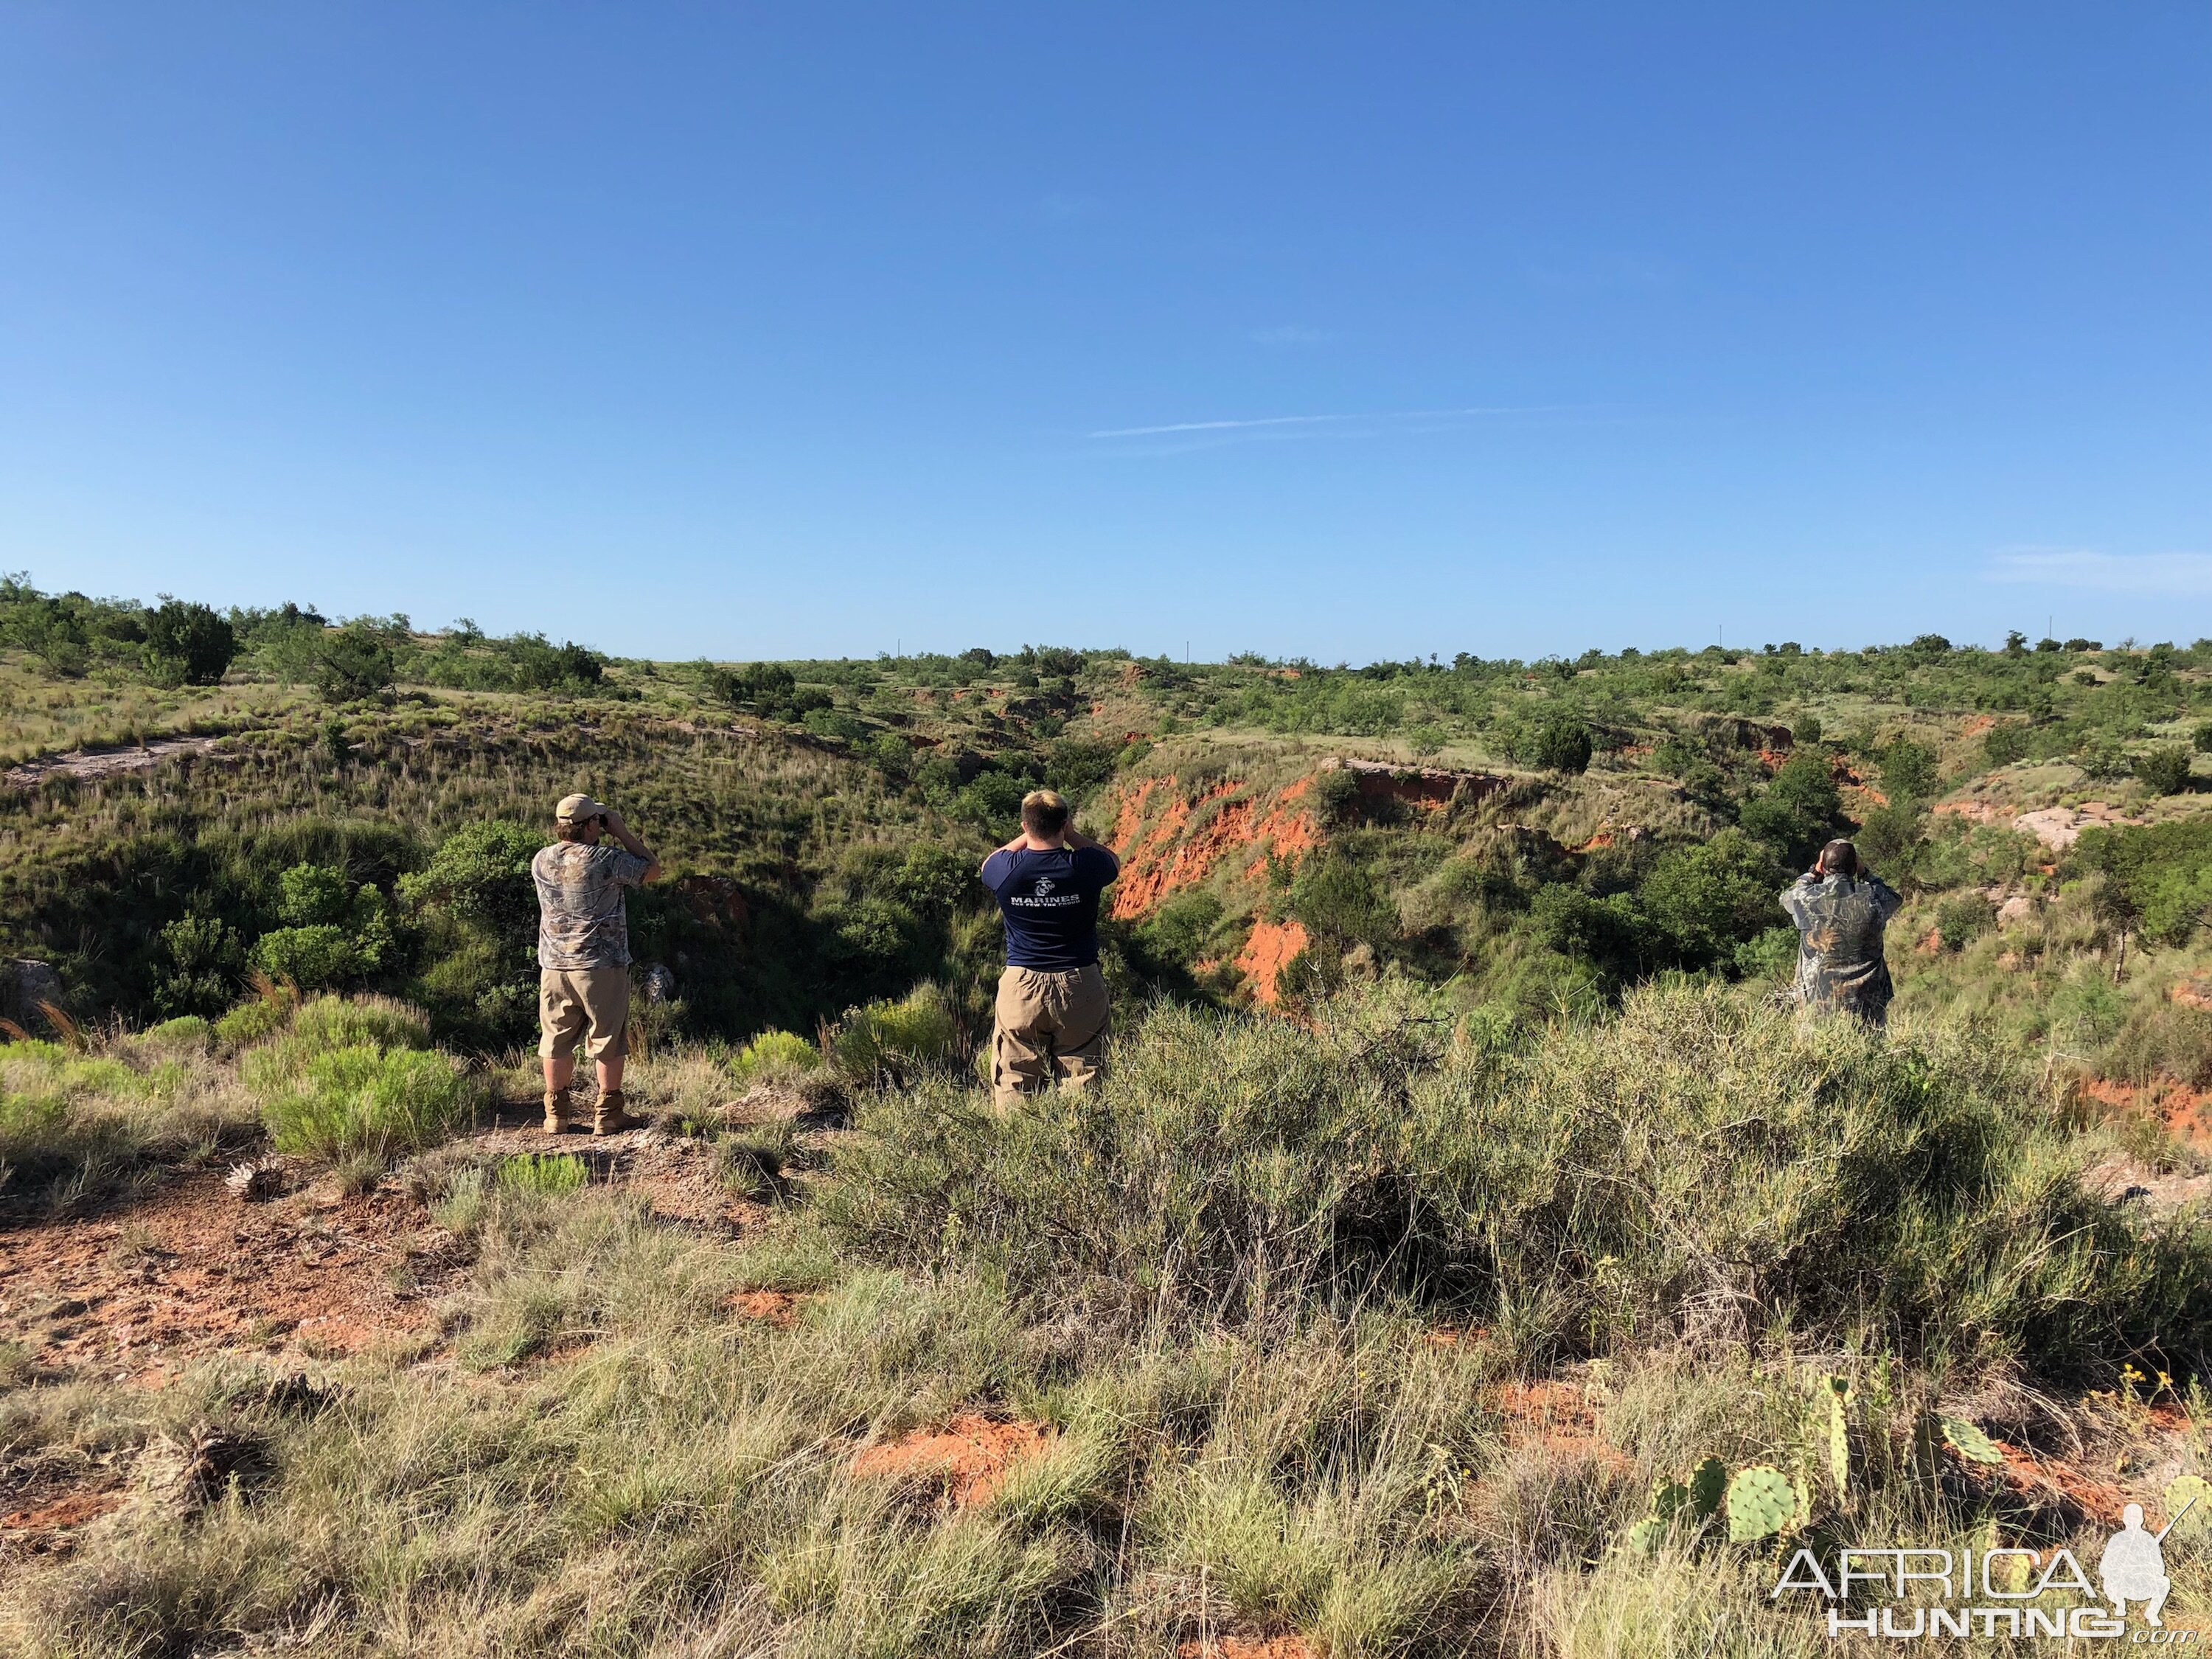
<point>1052,1008</point>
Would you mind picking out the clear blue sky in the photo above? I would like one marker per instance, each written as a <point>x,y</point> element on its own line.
<point>1350,331</point>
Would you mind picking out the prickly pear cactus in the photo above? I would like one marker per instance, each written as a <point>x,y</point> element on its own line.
<point>1645,1537</point>
<point>1760,1503</point>
<point>2189,1506</point>
<point>1669,1498</point>
<point>1969,1442</point>
<point>1839,1435</point>
<point>1708,1486</point>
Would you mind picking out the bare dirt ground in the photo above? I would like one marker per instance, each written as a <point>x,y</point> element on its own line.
<point>89,764</point>
<point>149,1284</point>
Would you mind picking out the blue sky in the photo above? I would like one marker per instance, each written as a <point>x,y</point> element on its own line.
<point>1342,331</point>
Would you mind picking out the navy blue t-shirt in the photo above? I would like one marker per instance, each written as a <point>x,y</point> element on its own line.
<point>1050,902</point>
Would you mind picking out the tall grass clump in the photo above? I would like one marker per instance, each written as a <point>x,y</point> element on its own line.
<point>1702,1166</point>
<point>370,1102</point>
<point>355,1077</point>
<point>74,1124</point>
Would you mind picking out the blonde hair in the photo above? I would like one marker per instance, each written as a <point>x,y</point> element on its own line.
<point>1044,812</point>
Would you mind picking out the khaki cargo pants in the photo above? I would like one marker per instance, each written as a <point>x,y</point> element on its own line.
<point>1052,1026</point>
<point>590,1003</point>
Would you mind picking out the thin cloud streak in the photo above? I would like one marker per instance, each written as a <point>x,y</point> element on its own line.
<point>1318,420</point>
<point>2116,572</point>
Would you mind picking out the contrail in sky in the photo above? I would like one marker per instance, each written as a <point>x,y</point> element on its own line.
<point>1313,420</point>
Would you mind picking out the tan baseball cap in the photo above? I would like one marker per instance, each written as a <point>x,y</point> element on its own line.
<point>574,809</point>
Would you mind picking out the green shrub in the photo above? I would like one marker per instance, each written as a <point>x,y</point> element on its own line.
<point>898,1039</point>
<point>1908,770</point>
<point>2004,744</point>
<point>187,1031</point>
<point>1961,917</point>
<point>774,1054</point>
<point>2164,771</point>
<point>313,959</point>
<point>2163,872</point>
<point>2200,737</point>
<point>369,1100</point>
<point>1559,744</point>
<point>253,1021</point>
<point>188,644</point>
<point>2104,760</point>
<point>354,661</point>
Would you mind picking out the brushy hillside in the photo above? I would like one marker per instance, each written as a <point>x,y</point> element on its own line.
<point>1466,1253</point>
<point>1374,1336</point>
<point>1537,837</point>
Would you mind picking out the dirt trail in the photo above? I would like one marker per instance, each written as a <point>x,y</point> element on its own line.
<point>91,765</point>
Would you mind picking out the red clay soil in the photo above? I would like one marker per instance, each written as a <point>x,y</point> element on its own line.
<point>1163,861</point>
<point>2180,1108</point>
<point>777,1307</point>
<point>142,1287</point>
<point>1555,1415</point>
<point>2193,994</point>
<point>1246,1647</point>
<point>965,1462</point>
<point>137,1292</point>
<point>1170,856</point>
<point>1288,830</point>
<point>1267,953</point>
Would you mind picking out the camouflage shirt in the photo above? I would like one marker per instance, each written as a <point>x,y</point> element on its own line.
<point>1839,924</point>
<point>582,921</point>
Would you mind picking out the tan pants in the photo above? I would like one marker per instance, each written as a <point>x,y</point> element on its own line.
<point>1051,1025</point>
<point>572,1001</point>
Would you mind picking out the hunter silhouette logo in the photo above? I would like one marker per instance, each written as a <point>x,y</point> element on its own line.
<point>1973,1587</point>
<point>2133,1566</point>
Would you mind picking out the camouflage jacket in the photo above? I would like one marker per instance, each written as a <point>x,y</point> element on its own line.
<point>1839,925</point>
<point>582,920</point>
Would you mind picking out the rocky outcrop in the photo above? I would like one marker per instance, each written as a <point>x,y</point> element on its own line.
<point>1431,787</point>
<point>25,984</point>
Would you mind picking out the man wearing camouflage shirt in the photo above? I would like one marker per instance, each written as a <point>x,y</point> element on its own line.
<point>583,956</point>
<point>1840,911</point>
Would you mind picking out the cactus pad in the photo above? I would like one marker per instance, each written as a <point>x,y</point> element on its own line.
<point>1708,1485</point>
<point>1839,1435</point>
<point>1969,1442</point>
<point>1760,1503</point>
<point>1645,1537</point>
<point>1669,1498</point>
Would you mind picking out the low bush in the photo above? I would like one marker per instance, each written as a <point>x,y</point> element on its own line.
<point>368,1100</point>
<point>74,1125</point>
<point>902,1039</point>
<point>1702,1163</point>
<point>1962,918</point>
<point>253,1021</point>
<point>772,1057</point>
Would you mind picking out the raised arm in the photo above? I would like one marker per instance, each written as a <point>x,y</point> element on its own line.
<point>1077,839</point>
<point>633,846</point>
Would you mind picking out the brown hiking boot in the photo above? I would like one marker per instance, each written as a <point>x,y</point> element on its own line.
<point>609,1118</point>
<point>557,1120</point>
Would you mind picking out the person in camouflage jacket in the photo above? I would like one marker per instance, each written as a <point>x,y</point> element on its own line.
<point>1841,910</point>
